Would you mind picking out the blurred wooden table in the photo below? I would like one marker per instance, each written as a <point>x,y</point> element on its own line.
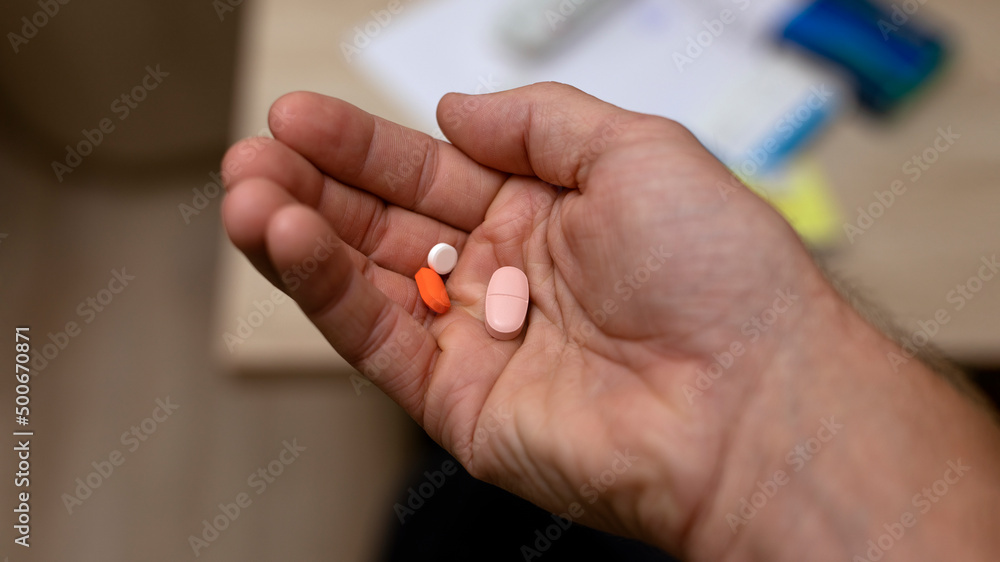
<point>286,46</point>
<point>928,242</point>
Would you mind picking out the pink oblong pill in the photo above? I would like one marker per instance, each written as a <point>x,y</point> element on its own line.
<point>506,303</point>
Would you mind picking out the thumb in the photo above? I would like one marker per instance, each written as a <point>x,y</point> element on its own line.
<point>548,130</point>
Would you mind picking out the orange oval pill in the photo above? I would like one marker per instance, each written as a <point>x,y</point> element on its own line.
<point>432,290</point>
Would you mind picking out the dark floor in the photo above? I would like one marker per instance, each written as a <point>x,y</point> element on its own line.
<point>464,519</point>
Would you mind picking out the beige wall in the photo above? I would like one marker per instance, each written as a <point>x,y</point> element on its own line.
<point>91,52</point>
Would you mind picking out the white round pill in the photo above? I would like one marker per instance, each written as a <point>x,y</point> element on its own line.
<point>442,258</point>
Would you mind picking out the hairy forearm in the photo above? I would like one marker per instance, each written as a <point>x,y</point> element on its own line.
<point>881,459</point>
<point>927,354</point>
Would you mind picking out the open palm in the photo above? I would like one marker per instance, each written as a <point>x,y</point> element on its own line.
<point>644,258</point>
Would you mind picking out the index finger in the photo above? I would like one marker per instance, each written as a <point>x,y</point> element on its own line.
<point>399,165</point>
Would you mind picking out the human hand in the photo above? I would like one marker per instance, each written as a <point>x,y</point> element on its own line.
<point>645,270</point>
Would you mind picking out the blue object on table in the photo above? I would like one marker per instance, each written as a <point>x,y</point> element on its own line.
<point>886,52</point>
